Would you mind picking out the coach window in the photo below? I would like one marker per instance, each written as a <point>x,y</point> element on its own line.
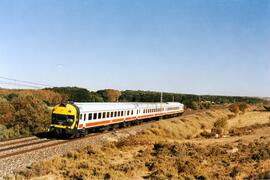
<point>99,115</point>
<point>84,117</point>
<point>122,113</point>
<point>95,116</point>
<point>115,114</point>
<point>104,115</point>
<point>127,113</point>
<point>80,116</point>
<point>131,112</point>
<point>111,114</point>
<point>90,116</point>
<point>118,113</point>
<point>108,114</point>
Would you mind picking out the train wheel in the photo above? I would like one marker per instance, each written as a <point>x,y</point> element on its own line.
<point>84,132</point>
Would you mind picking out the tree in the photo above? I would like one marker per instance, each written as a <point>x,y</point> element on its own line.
<point>109,95</point>
<point>75,94</point>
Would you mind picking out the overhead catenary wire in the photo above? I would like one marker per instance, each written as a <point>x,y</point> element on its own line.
<point>21,85</point>
<point>25,83</point>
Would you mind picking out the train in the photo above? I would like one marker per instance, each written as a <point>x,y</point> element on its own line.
<point>75,119</point>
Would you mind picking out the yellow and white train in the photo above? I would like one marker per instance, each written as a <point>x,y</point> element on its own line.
<point>75,119</point>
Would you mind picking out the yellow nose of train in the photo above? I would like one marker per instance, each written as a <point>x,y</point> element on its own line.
<point>64,116</point>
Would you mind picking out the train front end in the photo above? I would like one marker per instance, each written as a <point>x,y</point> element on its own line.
<point>64,120</point>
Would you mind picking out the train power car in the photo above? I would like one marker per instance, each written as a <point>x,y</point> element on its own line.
<point>75,119</point>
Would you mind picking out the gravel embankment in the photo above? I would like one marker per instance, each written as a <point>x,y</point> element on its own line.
<point>12,164</point>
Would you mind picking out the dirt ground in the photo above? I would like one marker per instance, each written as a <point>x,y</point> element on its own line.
<point>211,144</point>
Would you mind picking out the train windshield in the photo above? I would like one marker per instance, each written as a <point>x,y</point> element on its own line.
<point>61,119</point>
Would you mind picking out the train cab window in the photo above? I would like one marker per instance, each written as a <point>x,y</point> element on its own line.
<point>111,114</point>
<point>108,114</point>
<point>95,116</point>
<point>90,116</point>
<point>99,115</point>
<point>104,115</point>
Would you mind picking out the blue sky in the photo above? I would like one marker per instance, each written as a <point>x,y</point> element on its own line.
<point>188,46</point>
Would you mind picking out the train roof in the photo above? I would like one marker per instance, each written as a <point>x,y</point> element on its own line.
<point>121,105</point>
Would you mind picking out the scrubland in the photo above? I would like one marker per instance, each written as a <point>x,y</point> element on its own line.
<point>25,112</point>
<point>220,143</point>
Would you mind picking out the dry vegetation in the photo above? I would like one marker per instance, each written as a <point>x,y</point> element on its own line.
<point>25,112</point>
<point>49,97</point>
<point>172,149</point>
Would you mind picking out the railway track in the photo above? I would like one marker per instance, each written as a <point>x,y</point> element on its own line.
<point>17,141</point>
<point>9,149</point>
<point>19,146</point>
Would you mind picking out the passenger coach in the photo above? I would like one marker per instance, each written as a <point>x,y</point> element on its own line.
<point>74,119</point>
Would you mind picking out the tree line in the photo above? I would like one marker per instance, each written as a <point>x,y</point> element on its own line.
<point>77,94</point>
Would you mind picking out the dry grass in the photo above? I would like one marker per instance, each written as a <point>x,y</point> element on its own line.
<point>158,153</point>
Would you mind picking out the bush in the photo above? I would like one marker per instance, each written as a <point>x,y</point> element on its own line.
<point>6,111</point>
<point>194,105</point>
<point>234,108</point>
<point>30,116</point>
<point>221,123</point>
<point>243,107</point>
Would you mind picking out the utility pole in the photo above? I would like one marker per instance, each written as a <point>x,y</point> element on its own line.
<point>161,100</point>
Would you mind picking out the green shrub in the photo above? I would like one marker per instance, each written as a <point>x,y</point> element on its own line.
<point>31,116</point>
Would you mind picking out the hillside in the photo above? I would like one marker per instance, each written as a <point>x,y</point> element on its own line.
<point>208,144</point>
<point>26,112</point>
